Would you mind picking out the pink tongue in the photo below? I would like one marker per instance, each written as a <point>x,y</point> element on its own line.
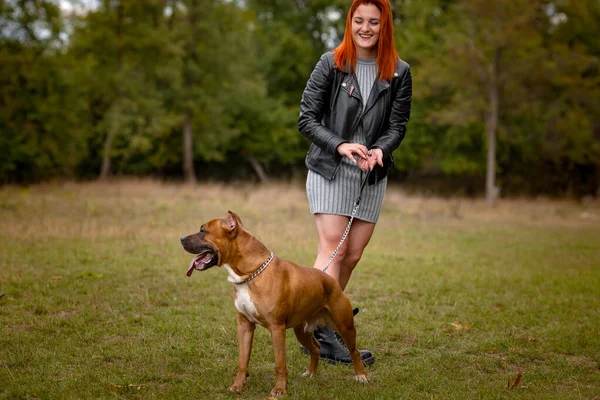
<point>197,262</point>
<point>191,268</point>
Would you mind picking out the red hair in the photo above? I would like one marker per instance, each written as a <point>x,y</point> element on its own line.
<point>345,53</point>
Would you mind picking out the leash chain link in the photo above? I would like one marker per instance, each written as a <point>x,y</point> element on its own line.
<point>354,210</point>
<point>339,246</point>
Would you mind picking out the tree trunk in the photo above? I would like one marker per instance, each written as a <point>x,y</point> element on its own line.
<point>491,124</point>
<point>262,175</point>
<point>188,151</point>
<point>105,169</point>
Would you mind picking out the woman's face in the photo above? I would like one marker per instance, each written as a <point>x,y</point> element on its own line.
<point>366,23</point>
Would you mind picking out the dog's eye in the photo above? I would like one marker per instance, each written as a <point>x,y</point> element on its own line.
<point>202,229</point>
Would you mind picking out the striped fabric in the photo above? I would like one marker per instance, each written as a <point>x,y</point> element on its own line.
<point>338,195</point>
<point>366,72</point>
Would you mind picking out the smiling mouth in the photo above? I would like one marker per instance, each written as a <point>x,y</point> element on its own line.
<point>201,262</point>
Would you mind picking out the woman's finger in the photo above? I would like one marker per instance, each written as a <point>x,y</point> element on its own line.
<point>363,164</point>
<point>359,149</point>
<point>377,155</point>
<point>372,162</point>
<point>364,153</point>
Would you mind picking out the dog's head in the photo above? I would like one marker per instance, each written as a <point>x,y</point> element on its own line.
<point>211,242</point>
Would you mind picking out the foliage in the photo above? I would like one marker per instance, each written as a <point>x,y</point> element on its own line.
<point>548,90</point>
<point>38,135</point>
<point>111,86</point>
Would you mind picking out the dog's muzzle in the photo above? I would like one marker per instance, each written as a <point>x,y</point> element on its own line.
<point>206,254</point>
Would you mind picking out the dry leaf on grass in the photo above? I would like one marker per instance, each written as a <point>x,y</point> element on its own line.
<point>515,383</point>
<point>458,326</point>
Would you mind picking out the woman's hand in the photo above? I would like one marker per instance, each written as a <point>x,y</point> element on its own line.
<point>374,156</point>
<point>352,150</point>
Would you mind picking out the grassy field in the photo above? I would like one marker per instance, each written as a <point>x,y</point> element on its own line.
<point>456,300</point>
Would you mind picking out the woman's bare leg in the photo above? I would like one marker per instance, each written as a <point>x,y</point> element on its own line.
<point>330,229</point>
<point>357,239</point>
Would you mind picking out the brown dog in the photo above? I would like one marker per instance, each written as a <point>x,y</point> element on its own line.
<point>274,293</point>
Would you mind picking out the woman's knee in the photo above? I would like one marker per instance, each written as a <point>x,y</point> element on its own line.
<point>330,246</point>
<point>352,257</point>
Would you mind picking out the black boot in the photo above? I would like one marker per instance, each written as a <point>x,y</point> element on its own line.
<point>365,355</point>
<point>334,351</point>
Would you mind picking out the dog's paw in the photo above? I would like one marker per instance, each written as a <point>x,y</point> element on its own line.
<point>308,374</point>
<point>276,392</point>
<point>236,387</point>
<point>361,378</point>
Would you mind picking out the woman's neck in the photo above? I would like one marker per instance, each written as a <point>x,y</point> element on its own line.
<point>366,54</point>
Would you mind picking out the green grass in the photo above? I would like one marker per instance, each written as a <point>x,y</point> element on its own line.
<point>455,299</point>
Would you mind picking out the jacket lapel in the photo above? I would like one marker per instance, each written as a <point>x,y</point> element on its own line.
<point>378,88</point>
<point>350,86</point>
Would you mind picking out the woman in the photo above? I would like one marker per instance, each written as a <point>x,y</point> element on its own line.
<point>354,109</point>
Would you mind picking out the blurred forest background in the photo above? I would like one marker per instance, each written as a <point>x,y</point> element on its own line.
<point>210,90</point>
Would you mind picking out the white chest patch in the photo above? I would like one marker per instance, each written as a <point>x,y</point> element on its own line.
<point>243,303</point>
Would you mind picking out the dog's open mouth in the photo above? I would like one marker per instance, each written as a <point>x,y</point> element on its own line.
<point>202,261</point>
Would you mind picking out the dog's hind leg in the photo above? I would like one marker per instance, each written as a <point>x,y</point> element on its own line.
<point>307,339</point>
<point>343,323</point>
<point>245,336</point>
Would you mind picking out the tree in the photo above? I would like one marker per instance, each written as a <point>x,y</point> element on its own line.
<point>489,61</point>
<point>120,58</point>
<point>37,129</point>
<point>219,82</point>
<point>572,117</point>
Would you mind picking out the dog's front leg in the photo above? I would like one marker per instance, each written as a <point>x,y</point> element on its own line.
<point>245,336</point>
<point>278,337</point>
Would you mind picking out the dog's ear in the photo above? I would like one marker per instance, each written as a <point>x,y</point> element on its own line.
<point>236,218</point>
<point>231,222</point>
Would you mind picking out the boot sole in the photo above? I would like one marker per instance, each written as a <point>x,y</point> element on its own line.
<point>334,361</point>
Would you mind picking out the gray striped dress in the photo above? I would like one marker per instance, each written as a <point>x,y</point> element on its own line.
<point>337,196</point>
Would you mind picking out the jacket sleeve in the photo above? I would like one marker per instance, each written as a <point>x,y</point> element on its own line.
<point>315,100</point>
<point>394,134</point>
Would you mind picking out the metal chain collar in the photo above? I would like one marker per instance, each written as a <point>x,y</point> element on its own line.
<point>258,271</point>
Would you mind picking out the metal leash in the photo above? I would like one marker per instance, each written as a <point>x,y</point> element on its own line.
<point>354,210</point>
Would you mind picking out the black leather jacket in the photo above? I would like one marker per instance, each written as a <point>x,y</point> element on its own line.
<point>330,111</point>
